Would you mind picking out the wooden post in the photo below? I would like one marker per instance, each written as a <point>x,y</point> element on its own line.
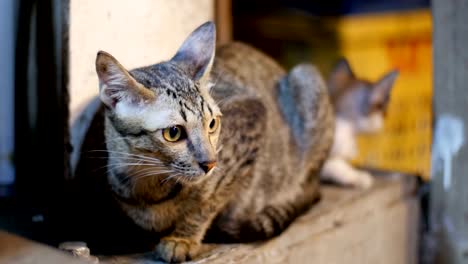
<point>223,19</point>
<point>450,151</point>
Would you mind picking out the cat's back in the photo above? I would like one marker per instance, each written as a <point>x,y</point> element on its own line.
<point>239,67</point>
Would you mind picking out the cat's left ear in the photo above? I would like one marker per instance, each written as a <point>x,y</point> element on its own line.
<point>196,54</point>
<point>116,85</point>
<point>380,94</point>
<point>340,77</point>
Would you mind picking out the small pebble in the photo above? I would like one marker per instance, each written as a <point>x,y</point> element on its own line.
<point>79,250</point>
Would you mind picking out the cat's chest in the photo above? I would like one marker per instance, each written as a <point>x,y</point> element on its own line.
<point>344,143</point>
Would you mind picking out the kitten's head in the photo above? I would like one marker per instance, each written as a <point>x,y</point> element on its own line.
<point>163,114</point>
<point>358,101</point>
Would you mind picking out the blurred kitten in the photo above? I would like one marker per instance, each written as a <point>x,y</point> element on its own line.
<point>360,107</point>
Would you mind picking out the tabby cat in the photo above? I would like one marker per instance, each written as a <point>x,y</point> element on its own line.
<point>359,106</point>
<point>224,148</point>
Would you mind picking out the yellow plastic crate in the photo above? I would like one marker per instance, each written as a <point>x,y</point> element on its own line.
<point>375,44</point>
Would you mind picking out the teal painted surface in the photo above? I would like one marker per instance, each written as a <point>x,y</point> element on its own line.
<point>7,31</point>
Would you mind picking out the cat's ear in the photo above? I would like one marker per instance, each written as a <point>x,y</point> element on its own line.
<point>380,94</point>
<point>116,84</point>
<point>340,76</point>
<point>196,54</point>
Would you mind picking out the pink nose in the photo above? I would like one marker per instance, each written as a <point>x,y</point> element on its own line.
<point>207,165</point>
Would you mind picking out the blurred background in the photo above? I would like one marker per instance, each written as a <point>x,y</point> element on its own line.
<point>47,76</point>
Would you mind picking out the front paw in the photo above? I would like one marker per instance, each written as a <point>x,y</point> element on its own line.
<point>174,249</point>
<point>363,180</point>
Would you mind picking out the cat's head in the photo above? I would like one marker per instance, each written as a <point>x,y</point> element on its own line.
<point>162,116</point>
<point>360,102</point>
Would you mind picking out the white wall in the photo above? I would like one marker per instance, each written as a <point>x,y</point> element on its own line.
<point>7,53</point>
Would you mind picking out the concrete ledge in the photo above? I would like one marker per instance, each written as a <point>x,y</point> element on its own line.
<point>17,250</point>
<point>379,225</point>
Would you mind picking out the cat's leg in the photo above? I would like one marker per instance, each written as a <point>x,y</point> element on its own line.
<point>340,171</point>
<point>183,243</point>
<point>275,217</point>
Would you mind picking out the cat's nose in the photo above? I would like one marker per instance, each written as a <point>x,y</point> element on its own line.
<point>207,165</point>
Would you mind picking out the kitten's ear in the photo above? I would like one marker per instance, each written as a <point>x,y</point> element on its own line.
<point>196,54</point>
<point>116,84</point>
<point>340,76</point>
<point>380,94</point>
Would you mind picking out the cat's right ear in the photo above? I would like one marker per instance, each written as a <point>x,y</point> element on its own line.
<point>380,94</point>
<point>340,76</point>
<point>116,84</point>
<point>196,54</point>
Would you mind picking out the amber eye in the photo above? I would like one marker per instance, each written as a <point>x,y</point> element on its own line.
<point>173,134</point>
<point>214,124</point>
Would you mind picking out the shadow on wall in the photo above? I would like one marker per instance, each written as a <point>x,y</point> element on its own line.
<point>289,35</point>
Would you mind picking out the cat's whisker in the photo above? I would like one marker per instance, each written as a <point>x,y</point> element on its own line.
<point>141,158</point>
<point>142,172</point>
<point>144,176</point>
<point>222,101</point>
<point>134,178</point>
<point>177,180</point>
<point>129,160</point>
<point>149,173</point>
<point>219,149</point>
<point>119,165</point>
<point>131,164</point>
<point>216,81</point>
<point>130,155</point>
<point>141,163</point>
<point>133,160</point>
<point>140,177</point>
<point>149,168</point>
<point>121,157</point>
<point>217,168</point>
<point>127,179</point>
<point>135,156</point>
<point>171,177</point>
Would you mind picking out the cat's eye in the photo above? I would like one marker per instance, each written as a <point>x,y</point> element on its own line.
<point>214,124</point>
<point>174,133</point>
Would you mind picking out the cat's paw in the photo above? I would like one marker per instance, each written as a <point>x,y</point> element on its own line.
<point>175,250</point>
<point>363,180</point>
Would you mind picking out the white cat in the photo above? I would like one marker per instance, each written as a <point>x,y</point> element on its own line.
<point>359,108</point>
